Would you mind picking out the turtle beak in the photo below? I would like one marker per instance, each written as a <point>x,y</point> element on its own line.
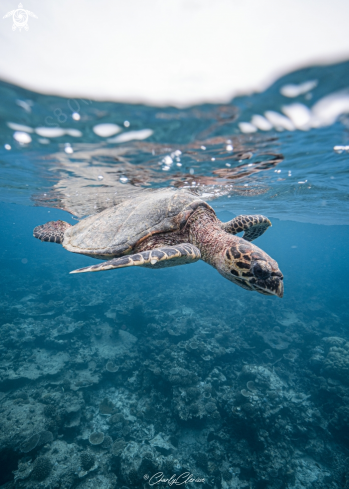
<point>277,284</point>
<point>272,286</point>
<point>267,279</point>
<point>280,289</point>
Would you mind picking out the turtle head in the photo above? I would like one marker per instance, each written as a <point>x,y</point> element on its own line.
<point>251,268</point>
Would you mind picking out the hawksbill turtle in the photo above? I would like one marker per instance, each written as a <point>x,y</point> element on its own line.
<point>167,228</point>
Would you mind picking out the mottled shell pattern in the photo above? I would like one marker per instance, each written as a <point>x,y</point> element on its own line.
<point>117,230</point>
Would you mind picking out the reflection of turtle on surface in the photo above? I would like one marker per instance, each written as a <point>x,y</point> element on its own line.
<point>166,228</point>
<point>20,17</point>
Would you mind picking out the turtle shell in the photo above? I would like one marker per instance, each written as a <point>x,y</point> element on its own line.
<point>117,230</point>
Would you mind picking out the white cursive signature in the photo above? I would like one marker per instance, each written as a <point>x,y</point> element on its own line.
<point>177,480</point>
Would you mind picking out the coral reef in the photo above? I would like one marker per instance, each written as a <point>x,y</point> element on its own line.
<point>102,400</point>
<point>96,438</point>
<point>87,460</point>
<point>106,406</point>
<point>41,469</point>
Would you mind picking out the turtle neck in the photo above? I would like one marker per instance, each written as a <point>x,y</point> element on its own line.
<point>206,233</point>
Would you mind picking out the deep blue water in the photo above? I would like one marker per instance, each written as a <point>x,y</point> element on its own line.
<point>263,401</point>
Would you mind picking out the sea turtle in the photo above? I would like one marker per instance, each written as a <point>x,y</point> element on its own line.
<point>166,228</point>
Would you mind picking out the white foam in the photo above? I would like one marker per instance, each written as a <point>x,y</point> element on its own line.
<point>337,149</point>
<point>106,130</point>
<point>279,121</point>
<point>299,114</point>
<point>292,91</point>
<point>247,127</point>
<point>25,104</point>
<point>57,132</point>
<point>50,132</point>
<point>131,135</point>
<point>261,122</point>
<point>75,133</point>
<point>22,137</point>
<point>327,110</point>
<point>19,127</point>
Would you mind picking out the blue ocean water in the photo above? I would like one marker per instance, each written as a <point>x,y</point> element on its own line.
<point>110,379</point>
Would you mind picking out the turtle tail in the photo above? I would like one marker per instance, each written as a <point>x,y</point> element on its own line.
<point>52,231</point>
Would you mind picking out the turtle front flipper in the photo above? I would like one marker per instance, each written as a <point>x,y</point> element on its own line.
<point>254,226</point>
<point>52,231</point>
<point>166,256</point>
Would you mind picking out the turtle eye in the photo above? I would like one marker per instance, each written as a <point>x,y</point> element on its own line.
<point>261,269</point>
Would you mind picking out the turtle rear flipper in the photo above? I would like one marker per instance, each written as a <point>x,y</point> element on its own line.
<point>52,231</point>
<point>166,256</point>
<point>254,226</point>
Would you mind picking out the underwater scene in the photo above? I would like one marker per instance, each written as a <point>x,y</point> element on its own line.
<point>204,375</point>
